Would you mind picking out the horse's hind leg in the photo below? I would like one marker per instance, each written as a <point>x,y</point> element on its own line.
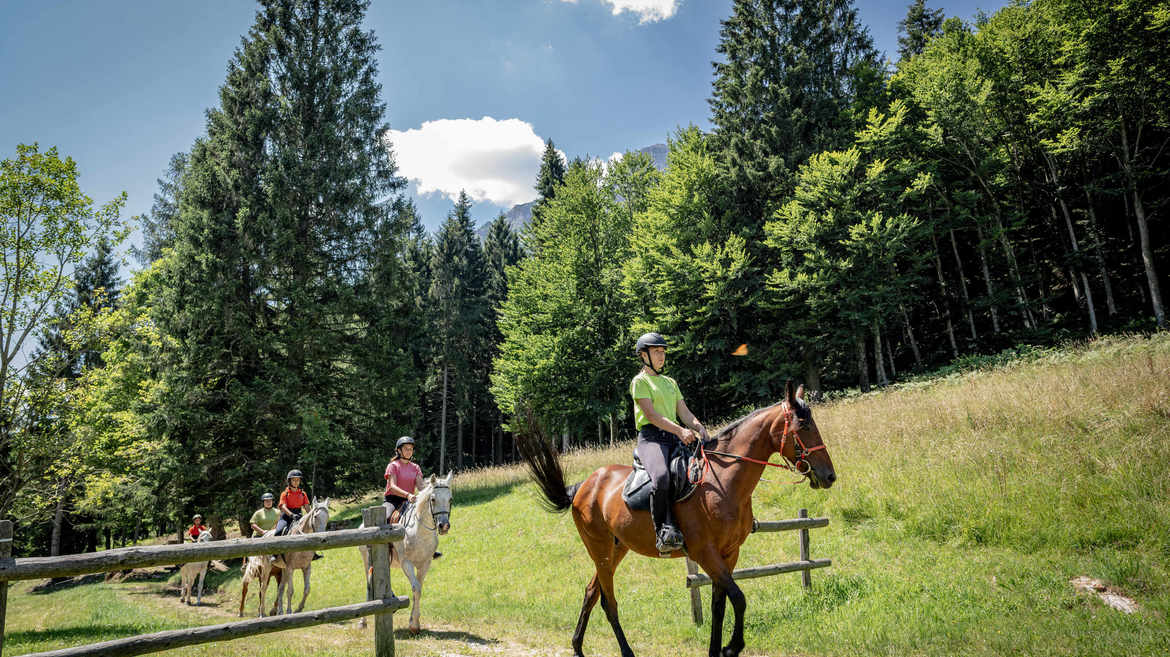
<point>592,593</point>
<point>606,554</point>
<point>305,593</point>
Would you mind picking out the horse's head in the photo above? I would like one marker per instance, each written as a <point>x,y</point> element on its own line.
<point>317,519</point>
<point>795,435</point>
<point>204,536</point>
<point>436,498</point>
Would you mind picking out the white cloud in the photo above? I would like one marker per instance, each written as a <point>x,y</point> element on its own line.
<point>648,11</point>
<point>492,160</point>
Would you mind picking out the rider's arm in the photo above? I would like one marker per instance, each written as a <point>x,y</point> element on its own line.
<point>660,421</point>
<point>689,418</point>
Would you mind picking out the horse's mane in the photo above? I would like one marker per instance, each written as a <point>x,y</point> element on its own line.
<point>725,433</point>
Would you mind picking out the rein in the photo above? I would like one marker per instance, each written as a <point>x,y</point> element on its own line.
<point>800,453</point>
<point>434,516</point>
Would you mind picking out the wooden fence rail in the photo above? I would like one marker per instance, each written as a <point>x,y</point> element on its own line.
<point>695,579</point>
<point>380,600</point>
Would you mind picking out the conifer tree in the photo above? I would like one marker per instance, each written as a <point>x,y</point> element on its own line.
<point>461,314</point>
<point>158,226</point>
<point>552,174</point>
<point>795,79</point>
<point>286,216</point>
<point>917,28</point>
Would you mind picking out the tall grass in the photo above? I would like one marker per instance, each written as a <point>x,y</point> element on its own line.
<point>963,507</point>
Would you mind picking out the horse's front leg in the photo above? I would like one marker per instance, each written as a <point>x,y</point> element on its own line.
<point>199,591</point>
<point>415,595</point>
<point>305,593</point>
<point>723,588</point>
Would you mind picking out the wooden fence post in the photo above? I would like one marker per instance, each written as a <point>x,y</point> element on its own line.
<point>696,599</point>
<point>5,555</point>
<point>805,575</point>
<point>375,516</point>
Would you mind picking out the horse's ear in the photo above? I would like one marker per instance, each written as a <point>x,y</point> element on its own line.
<point>432,480</point>
<point>788,394</point>
<point>314,500</point>
<point>450,473</point>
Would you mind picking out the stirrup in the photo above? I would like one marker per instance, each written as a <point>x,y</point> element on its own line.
<point>668,540</point>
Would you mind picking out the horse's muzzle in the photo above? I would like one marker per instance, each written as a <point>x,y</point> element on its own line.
<point>444,527</point>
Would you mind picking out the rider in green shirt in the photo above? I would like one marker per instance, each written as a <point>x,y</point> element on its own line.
<point>658,407</point>
<point>265,518</point>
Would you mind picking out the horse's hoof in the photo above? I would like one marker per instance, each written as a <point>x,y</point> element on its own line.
<point>415,629</point>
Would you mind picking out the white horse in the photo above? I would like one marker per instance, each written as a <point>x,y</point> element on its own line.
<point>316,520</point>
<point>424,522</point>
<point>190,571</point>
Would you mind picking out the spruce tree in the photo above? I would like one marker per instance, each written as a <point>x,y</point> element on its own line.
<point>158,226</point>
<point>458,278</point>
<point>286,227</point>
<point>919,26</point>
<point>795,79</point>
<point>551,175</point>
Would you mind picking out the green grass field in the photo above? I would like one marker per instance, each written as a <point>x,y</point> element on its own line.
<point>964,506</point>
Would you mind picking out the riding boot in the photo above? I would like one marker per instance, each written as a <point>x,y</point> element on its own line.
<point>667,538</point>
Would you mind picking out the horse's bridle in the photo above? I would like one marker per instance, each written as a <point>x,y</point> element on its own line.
<point>799,451</point>
<point>435,516</point>
<point>307,519</point>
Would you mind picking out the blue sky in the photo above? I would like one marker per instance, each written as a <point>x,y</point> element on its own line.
<point>473,88</point>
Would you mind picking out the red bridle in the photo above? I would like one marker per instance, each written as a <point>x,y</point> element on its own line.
<point>799,451</point>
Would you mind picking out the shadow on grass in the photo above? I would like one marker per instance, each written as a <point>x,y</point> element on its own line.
<point>478,494</point>
<point>403,633</point>
<point>76,634</point>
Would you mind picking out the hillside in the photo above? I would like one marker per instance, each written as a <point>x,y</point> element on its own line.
<point>964,507</point>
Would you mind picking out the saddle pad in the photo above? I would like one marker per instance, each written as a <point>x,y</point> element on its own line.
<point>636,491</point>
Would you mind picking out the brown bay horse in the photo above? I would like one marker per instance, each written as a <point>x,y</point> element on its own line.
<point>715,520</point>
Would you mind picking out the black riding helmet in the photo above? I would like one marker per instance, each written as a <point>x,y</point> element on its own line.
<point>267,496</point>
<point>294,473</point>
<point>644,343</point>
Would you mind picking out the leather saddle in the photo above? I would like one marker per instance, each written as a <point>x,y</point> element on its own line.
<point>636,491</point>
<point>390,519</point>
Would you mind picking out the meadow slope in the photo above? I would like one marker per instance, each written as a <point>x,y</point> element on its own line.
<point>964,506</point>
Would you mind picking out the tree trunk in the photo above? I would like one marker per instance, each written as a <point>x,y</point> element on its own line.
<point>812,379</point>
<point>879,356</point>
<point>987,278</point>
<point>443,425</point>
<point>245,520</point>
<point>474,422</point>
<point>58,520</point>
<point>612,429</point>
<point>890,354</point>
<point>1099,255</point>
<point>963,287</point>
<point>1139,212</point>
<point>862,366</point>
<point>565,440</point>
<point>1072,237</point>
<point>910,336</point>
<point>458,442</point>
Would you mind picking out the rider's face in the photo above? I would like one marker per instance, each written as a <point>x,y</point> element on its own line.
<point>407,451</point>
<point>295,482</point>
<point>267,504</point>
<point>657,357</point>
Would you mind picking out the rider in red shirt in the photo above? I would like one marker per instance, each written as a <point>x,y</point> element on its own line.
<point>197,527</point>
<point>292,502</point>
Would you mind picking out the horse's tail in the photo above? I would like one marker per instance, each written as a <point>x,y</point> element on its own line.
<point>545,468</point>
